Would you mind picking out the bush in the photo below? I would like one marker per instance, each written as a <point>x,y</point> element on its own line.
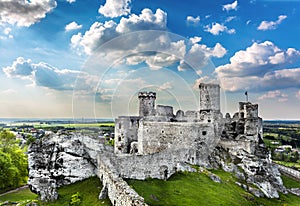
<point>76,199</point>
<point>13,162</point>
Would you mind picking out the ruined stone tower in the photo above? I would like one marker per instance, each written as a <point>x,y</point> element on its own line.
<point>147,103</point>
<point>209,97</point>
<point>248,112</point>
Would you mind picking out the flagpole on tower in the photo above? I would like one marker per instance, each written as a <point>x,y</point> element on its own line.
<point>246,93</point>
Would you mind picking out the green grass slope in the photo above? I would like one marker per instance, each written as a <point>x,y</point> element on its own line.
<point>181,189</point>
<point>197,189</point>
<point>21,195</point>
<point>88,190</point>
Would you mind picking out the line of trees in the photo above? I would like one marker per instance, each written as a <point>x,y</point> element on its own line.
<point>13,162</point>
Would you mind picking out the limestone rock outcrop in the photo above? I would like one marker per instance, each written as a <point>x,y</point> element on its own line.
<point>61,160</point>
<point>256,170</point>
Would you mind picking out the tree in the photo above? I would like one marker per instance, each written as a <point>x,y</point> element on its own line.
<point>13,162</point>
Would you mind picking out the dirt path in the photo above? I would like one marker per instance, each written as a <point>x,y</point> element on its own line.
<point>15,190</point>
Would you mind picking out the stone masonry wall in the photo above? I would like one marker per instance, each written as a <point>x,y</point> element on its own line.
<point>237,145</point>
<point>118,191</point>
<point>155,137</point>
<point>125,132</point>
<point>159,165</point>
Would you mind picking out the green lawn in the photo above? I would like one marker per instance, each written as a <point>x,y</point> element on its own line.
<point>181,189</point>
<point>290,182</point>
<point>88,189</point>
<point>22,195</point>
<point>197,189</point>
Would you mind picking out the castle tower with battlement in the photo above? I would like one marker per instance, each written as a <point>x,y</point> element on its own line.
<point>147,103</point>
<point>209,97</point>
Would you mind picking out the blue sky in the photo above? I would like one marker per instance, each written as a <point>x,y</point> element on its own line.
<point>75,58</point>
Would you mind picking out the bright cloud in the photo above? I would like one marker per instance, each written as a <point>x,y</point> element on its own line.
<point>198,56</point>
<point>269,25</point>
<point>230,18</point>
<point>146,20</point>
<point>253,68</point>
<point>25,13</point>
<point>20,68</point>
<point>281,97</point>
<point>72,26</point>
<point>71,1</point>
<point>280,79</point>
<point>45,75</point>
<point>115,8</point>
<point>100,33</point>
<point>9,92</point>
<point>7,33</point>
<point>193,20</point>
<point>257,59</point>
<point>217,28</point>
<point>232,6</point>
<point>195,39</point>
<point>95,36</point>
<point>161,50</point>
<point>165,86</point>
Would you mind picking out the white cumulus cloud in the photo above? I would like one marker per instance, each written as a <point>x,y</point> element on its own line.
<point>232,6</point>
<point>72,26</point>
<point>146,20</point>
<point>45,75</point>
<point>7,33</point>
<point>71,1</point>
<point>95,36</point>
<point>195,39</point>
<point>115,8</point>
<point>145,32</point>
<point>281,97</point>
<point>100,33</point>
<point>25,13</point>
<point>9,92</point>
<point>193,20</point>
<point>217,28</point>
<point>257,59</point>
<point>262,67</point>
<point>165,86</point>
<point>269,25</point>
<point>21,68</point>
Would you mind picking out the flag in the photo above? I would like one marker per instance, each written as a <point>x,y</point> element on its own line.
<point>246,93</point>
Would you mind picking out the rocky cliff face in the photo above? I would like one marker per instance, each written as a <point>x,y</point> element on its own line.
<point>63,159</point>
<point>60,160</point>
<point>254,171</point>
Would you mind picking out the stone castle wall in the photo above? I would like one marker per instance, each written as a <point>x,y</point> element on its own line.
<point>155,137</point>
<point>159,165</point>
<point>118,191</point>
<point>126,129</point>
<point>237,145</point>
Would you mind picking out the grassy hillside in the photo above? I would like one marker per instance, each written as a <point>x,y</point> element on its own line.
<point>88,191</point>
<point>197,189</point>
<point>181,189</point>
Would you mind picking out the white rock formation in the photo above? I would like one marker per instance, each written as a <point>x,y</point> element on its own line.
<point>61,160</point>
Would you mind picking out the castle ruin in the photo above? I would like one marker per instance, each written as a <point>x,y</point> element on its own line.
<point>158,143</point>
<point>157,128</point>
